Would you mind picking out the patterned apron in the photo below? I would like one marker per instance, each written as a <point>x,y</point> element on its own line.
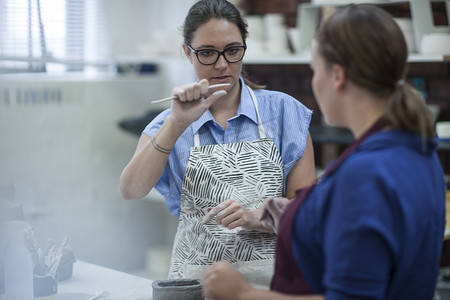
<point>247,172</point>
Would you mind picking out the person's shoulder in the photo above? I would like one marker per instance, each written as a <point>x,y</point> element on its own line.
<point>373,157</point>
<point>279,99</point>
<point>265,93</point>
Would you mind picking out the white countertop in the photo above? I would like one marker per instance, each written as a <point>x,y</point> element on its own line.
<point>88,280</point>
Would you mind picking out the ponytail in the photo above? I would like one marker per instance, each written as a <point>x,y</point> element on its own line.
<point>406,110</point>
<point>369,63</point>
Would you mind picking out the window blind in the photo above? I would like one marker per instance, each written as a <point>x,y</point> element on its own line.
<point>51,35</point>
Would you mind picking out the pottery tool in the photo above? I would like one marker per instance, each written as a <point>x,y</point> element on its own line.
<point>175,97</point>
<point>55,258</point>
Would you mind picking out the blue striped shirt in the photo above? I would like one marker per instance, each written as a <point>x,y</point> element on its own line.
<point>283,117</point>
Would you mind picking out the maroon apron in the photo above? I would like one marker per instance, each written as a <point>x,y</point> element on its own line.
<point>288,277</point>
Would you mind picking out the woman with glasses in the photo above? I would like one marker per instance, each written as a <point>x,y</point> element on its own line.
<point>217,153</point>
<point>373,226</point>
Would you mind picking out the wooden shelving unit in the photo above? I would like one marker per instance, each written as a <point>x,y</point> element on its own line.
<point>309,15</point>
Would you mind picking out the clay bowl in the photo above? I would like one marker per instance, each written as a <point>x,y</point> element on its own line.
<point>177,289</point>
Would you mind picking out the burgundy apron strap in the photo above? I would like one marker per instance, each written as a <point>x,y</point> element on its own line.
<point>375,127</point>
<point>288,278</point>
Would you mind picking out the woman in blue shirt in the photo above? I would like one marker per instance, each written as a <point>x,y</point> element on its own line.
<point>372,227</point>
<point>215,155</point>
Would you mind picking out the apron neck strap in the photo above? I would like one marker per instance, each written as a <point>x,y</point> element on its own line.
<point>196,139</point>
<point>262,133</point>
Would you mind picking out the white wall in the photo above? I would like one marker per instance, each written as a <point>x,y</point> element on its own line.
<point>144,26</point>
<point>63,153</point>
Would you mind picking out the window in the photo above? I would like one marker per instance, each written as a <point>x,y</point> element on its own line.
<point>51,36</point>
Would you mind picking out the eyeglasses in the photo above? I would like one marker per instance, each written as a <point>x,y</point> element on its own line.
<point>211,56</point>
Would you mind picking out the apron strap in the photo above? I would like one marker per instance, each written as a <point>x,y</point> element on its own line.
<point>288,279</point>
<point>262,133</point>
<point>196,139</point>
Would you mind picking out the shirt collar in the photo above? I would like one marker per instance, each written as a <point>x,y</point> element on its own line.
<point>396,137</point>
<point>246,108</point>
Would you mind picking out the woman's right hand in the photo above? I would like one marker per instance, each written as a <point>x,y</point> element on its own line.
<point>222,281</point>
<point>193,100</point>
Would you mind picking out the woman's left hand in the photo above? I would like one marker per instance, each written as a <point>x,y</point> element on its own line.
<point>231,214</point>
<point>222,281</point>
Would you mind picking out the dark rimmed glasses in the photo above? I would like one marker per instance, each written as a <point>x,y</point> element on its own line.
<point>211,56</point>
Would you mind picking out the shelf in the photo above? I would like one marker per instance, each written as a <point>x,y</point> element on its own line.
<point>286,59</point>
<point>295,59</point>
<point>320,3</point>
<point>342,136</point>
<point>330,134</point>
<point>416,57</point>
<point>309,16</point>
<point>443,146</point>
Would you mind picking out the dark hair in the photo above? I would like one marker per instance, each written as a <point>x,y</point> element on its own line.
<point>367,42</point>
<point>205,10</point>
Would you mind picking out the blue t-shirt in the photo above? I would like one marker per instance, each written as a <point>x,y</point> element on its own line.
<point>283,117</point>
<point>374,228</point>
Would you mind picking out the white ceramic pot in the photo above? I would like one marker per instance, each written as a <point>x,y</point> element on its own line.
<point>406,26</point>
<point>443,129</point>
<point>435,43</point>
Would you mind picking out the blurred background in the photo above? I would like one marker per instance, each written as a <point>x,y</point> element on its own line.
<point>76,81</point>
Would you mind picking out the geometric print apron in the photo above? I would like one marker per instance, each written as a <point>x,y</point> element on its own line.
<point>247,172</point>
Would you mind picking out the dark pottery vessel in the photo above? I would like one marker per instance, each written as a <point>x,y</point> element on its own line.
<point>177,289</point>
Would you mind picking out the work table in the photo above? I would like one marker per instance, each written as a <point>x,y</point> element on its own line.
<point>89,279</point>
